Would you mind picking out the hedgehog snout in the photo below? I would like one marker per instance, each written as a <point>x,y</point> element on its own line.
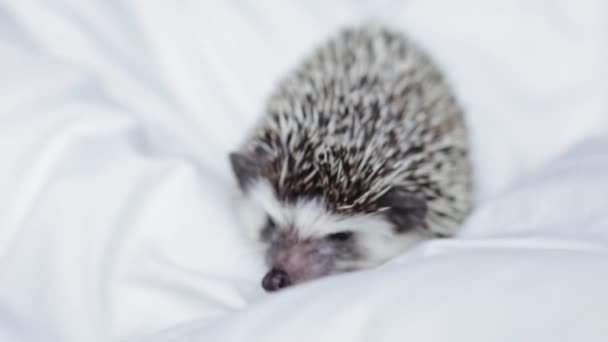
<point>275,279</point>
<point>293,261</point>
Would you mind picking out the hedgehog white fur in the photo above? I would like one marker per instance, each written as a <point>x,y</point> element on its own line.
<point>362,152</point>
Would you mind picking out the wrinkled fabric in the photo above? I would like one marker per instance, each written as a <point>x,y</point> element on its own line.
<point>116,201</point>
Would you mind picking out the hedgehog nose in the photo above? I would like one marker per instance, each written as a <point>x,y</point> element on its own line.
<point>275,279</point>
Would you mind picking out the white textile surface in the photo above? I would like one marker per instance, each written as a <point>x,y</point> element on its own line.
<point>116,218</point>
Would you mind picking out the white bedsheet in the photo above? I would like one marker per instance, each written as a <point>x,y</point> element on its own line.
<point>115,202</point>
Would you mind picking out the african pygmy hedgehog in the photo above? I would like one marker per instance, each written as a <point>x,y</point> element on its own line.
<point>362,152</point>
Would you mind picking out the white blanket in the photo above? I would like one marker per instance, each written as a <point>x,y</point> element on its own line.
<point>115,202</point>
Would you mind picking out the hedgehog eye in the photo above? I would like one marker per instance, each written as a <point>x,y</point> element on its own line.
<point>269,222</point>
<point>340,236</point>
<point>268,229</point>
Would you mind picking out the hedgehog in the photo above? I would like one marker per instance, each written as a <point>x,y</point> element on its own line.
<point>361,154</point>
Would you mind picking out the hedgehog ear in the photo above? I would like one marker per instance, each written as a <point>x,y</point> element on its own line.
<point>246,168</point>
<point>406,210</point>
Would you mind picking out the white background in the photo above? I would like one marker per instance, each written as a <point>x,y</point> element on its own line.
<point>115,193</point>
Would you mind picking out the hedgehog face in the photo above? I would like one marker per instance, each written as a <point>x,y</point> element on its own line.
<point>304,240</point>
<point>294,259</point>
